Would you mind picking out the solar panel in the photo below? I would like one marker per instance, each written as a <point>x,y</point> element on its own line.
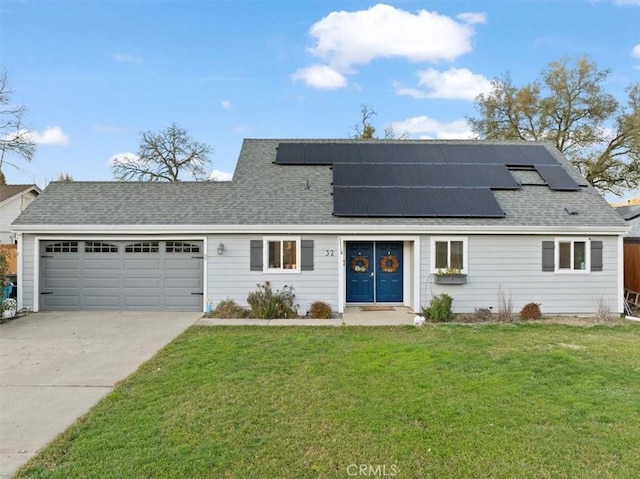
<point>347,174</point>
<point>346,152</point>
<point>557,178</point>
<point>383,202</point>
<point>349,201</point>
<point>468,154</point>
<point>410,174</point>
<point>481,202</point>
<point>499,177</point>
<point>374,153</point>
<point>378,174</point>
<point>416,202</point>
<point>290,153</point>
<point>439,175</point>
<point>423,153</point>
<point>448,202</point>
<point>538,155</point>
<point>510,155</point>
<point>318,154</point>
<point>468,175</point>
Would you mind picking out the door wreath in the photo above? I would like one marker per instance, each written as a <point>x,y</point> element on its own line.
<point>359,264</point>
<point>389,264</point>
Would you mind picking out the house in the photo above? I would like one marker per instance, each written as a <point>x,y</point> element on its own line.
<point>13,200</point>
<point>631,214</point>
<point>344,221</point>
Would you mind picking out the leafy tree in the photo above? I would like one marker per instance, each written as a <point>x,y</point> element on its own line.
<point>569,107</point>
<point>14,137</point>
<point>164,156</point>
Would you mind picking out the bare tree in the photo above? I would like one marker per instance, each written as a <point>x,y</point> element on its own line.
<point>14,136</point>
<point>364,130</point>
<point>164,156</point>
<point>569,107</point>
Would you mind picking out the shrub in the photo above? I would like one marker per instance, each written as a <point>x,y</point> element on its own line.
<point>266,304</point>
<point>531,311</point>
<point>439,308</point>
<point>228,308</point>
<point>483,314</point>
<point>505,306</point>
<point>320,310</point>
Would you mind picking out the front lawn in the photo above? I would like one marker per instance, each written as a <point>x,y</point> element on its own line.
<point>442,401</point>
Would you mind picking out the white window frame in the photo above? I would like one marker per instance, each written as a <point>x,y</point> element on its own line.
<point>281,239</point>
<point>448,239</point>
<point>587,254</point>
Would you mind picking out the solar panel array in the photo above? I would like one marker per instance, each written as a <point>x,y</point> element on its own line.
<point>426,179</point>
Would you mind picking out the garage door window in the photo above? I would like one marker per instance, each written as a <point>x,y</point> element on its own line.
<point>62,247</point>
<point>96,247</point>
<point>181,247</point>
<point>143,247</point>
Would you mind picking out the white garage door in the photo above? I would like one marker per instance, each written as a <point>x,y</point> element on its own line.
<point>121,275</point>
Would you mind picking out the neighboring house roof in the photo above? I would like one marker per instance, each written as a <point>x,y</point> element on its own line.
<point>631,215</point>
<point>265,193</point>
<point>9,191</point>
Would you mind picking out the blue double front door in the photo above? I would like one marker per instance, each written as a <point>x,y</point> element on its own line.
<point>374,271</point>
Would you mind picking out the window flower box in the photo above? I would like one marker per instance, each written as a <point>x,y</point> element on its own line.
<point>451,278</point>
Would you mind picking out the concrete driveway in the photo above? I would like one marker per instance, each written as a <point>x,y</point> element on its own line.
<point>55,366</point>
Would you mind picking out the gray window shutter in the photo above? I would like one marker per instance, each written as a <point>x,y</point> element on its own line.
<point>255,260</point>
<point>306,255</point>
<point>596,256</point>
<point>548,253</point>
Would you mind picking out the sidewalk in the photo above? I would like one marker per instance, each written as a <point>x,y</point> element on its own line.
<point>352,316</point>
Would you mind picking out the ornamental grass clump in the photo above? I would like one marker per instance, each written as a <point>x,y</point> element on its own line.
<point>267,304</point>
<point>320,310</point>
<point>531,311</point>
<point>439,309</point>
<point>229,309</point>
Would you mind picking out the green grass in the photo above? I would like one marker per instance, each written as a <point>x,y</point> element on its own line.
<point>442,401</point>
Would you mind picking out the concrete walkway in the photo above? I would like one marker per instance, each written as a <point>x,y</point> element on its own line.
<point>352,316</point>
<point>55,366</point>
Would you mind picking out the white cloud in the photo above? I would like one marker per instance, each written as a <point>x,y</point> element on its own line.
<point>126,58</point>
<point>226,104</point>
<point>50,136</point>
<point>124,157</point>
<point>472,18</point>
<point>344,39</point>
<point>455,83</point>
<point>635,52</point>
<point>218,175</point>
<point>320,76</point>
<point>427,128</point>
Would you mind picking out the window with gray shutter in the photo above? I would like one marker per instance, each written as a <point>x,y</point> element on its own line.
<point>306,258</point>
<point>596,256</point>
<point>255,260</point>
<point>548,250</point>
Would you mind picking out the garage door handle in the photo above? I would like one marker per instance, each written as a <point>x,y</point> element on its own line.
<point>47,292</point>
<point>198,294</point>
<point>197,257</point>
<point>46,257</point>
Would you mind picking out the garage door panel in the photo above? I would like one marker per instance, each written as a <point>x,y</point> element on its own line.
<point>102,302</point>
<point>192,284</point>
<point>140,264</point>
<point>98,265</point>
<point>115,280</point>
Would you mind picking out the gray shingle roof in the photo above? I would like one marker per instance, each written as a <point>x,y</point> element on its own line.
<point>263,193</point>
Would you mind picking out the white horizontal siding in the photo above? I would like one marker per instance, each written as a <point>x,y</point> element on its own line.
<point>229,276</point>
<point>26,278</point>
<point>513,265</point>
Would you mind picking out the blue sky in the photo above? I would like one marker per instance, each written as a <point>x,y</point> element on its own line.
<point>95,74</point>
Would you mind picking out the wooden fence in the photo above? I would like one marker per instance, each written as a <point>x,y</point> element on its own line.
<point>11,252</point>
<point>632,265</point>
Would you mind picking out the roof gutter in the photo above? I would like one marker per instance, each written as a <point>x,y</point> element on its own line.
<point>317,229</point>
